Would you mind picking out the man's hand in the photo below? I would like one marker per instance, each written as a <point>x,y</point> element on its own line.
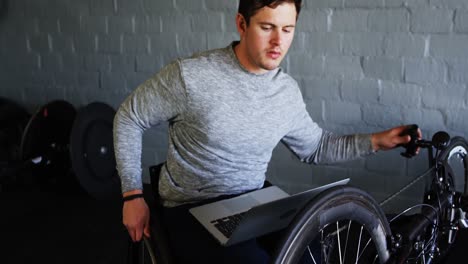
<point>391,138</point>
<point>136,217</point>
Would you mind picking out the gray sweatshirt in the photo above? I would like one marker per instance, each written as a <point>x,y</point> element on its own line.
<point>224,123</point>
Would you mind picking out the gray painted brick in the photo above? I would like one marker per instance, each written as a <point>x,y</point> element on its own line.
<point>431,20</point>
<point>94,24</point>
<point>315,109</point>
<point>135,79</point>
<point>67,8</point>
<point>349,20</point>
<point>23,62</point>
<point>109,44</point>
<point>448,46</point>
<point>175,22</point>
<point>69,25</point>
<point>135,44</point>
<point>148,24</point>
<point>306,65</point>
<point>190,5</point>
<point>322,4</point>
<point>404,45</point>
<point>313,20</point>
<point>207,22</point>
<point>381,116</point>
<point>342,112</point>
<point>126,7</point>
<point>230,23</point>
<point>25,25</point>
<point>416,3</point>
<point>72,61</point>
<point>122,63</point>
<point>364,3</point>
<point>113,82</point>
<point>442,96</point>
<point>363,44</point>
<point>39,43</point>
<point>457,120</point>
<point>457,71</point>
<point>322,43</point>
<point>400,94</point>
<point>449,3</point>
<point>66,78</point>
<point>427,119</point>
<point>96,62</point>
<point>164,45</point>
<point>319,88</point>
<point>461,21</point>
<point>48,25</point>
<point>217,5</point>
<point>150,64</point>
<point>16,43</point>
<point>159,7</point>
<point>389,161</point>
<point>425,71</point>
<point>88,80</point>
<point>84,42</point>
<point>343,67</point>
<point>389,20</point>
<point>394,3</point>
<point>102,8</point>
<point>221,39</point>
<point>51,62</point>
<point>359,91</point>
<point>120,24</point>
<point>190,43</point>
<point>384,68</point>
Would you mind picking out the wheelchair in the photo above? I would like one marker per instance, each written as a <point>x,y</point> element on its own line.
<point>350,226</point>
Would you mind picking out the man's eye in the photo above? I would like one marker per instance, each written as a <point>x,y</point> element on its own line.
<point>266,28</point>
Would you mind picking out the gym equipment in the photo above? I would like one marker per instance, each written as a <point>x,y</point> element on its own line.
<point>45,142</point>
<point>13,120</point>
<point>57,139</point>
<point>92,151</point>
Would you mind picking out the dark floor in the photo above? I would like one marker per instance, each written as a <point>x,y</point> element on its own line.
<point>43,227</point>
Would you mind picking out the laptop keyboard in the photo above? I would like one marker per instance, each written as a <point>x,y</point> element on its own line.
<point>227,225</point>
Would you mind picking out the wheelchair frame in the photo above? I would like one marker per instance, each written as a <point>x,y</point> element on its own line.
<point>423,237</point>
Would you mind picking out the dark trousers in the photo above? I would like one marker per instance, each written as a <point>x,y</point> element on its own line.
<point>192,243</point>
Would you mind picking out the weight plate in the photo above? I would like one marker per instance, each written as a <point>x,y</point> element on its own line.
<point>13,120</point>
<point>92,151</point>
<point>47,135</point>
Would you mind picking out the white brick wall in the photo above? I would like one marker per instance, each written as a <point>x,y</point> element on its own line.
<point>363,65</point>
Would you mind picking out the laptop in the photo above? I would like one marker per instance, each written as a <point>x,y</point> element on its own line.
<point>255,213</point>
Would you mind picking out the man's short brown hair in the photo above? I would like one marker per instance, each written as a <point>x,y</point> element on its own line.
<point>248,8</point>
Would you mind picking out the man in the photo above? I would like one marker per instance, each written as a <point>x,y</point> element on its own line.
<point>227,110</point>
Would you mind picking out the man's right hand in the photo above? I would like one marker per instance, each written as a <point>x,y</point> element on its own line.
<point>136,217</point>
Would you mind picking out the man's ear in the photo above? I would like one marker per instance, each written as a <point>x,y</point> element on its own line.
<point>241,23</point>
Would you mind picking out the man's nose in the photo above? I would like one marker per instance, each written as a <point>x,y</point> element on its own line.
<point>277,38</point>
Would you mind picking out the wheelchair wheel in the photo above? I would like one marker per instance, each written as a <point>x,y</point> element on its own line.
<point>341,225</point>
<point>455,160</point>
<point>455,171</point>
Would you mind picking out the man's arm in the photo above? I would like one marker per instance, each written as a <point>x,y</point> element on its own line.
<point>159,99</point>
<point>313,145</point>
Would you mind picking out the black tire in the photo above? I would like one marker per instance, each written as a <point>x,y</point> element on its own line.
<point>340,208</point>
<point>455,172</point>
<point>455,159</point>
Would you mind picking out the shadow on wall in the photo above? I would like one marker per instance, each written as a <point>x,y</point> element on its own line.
<point>3,9</point>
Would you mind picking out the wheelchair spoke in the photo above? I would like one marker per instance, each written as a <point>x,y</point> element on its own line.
<point>359,245</point>
<point>311,255</point>
<point>339,242</point>
<point>347,237</point>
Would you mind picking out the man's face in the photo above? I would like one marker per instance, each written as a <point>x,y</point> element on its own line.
<point>266,40</point>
